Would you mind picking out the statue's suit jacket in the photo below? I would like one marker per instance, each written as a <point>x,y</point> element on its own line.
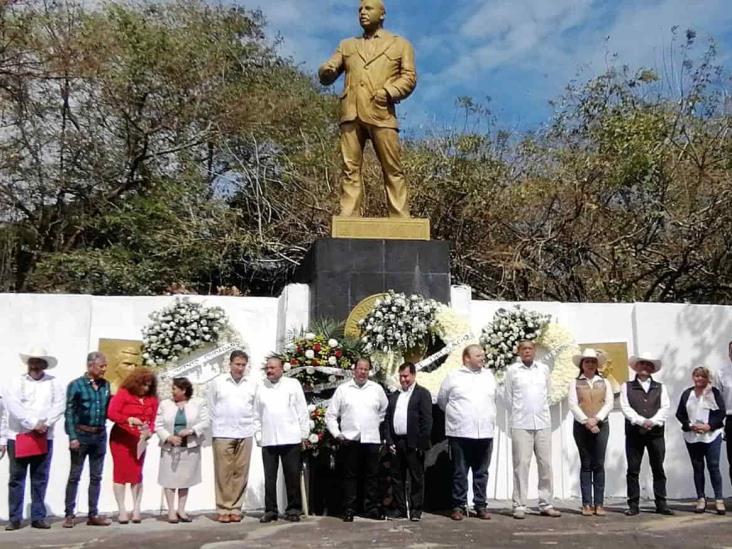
<point>391,67</point>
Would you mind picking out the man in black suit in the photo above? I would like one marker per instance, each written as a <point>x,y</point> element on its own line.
<point>408,427</point>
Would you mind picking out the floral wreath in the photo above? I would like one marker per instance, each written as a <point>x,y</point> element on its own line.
<point>180,329</point>
<point>398,328</point>
<point>318,361</point>
<point>555,344</point>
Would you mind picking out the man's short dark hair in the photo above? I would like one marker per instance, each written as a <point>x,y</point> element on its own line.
<point>238,353</point>
<point>277,357</point>
<point>408,366</point>
<point>366,359</point>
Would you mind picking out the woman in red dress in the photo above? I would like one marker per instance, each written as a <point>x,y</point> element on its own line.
<point>132,409</point>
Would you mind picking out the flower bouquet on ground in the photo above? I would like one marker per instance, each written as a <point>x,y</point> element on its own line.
<point>318,359</point>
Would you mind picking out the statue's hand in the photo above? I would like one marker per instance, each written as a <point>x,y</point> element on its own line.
<point>327,75</point>
<point>381,98</point>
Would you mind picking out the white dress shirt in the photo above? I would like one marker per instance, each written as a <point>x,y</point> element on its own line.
<point>28,401</point>
<point>231,407</point>
<point>360,409</point>
<point>698,410</point>
<point>468,398</point>
<point>723,382</point>
<point>281,413</point>
<point>658,419</point>
<point>527,390</point>
<point>574,407</point>
<point>400,411</point>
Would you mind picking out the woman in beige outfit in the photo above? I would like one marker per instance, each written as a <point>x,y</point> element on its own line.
<point>180,425</point>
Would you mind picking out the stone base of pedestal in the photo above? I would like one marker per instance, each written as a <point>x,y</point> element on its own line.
<point>343,271</point>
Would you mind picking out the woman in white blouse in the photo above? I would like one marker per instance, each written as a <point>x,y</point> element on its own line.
<point>701,412</point>
<point>590,400</point>
<point>180,425</point>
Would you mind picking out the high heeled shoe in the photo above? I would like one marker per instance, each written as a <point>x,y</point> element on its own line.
<point>184,518</point>
<point>720,508</point>
<point>701,505</point>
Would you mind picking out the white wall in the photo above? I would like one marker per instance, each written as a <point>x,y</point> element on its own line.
<point>70,326</point>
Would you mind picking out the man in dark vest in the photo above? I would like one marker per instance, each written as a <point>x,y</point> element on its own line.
<point>408,430</point>
<point>645,405</point>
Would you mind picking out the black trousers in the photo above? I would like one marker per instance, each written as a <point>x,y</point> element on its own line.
<point>408,477</point>
<point>290,455</point>
<point>360,461</point>
<point>635,446</point>
<point>591,448</point>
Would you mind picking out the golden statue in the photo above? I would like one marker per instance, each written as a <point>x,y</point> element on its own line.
<point>380,72</point>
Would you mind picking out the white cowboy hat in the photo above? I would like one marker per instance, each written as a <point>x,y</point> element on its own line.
<point>645,357</point>
<point>590,353</point>
<point>39,352</point>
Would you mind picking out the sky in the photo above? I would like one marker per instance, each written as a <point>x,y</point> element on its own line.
<point>512,55</point>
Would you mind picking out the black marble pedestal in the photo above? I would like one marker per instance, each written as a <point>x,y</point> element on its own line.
<point>343,271</point>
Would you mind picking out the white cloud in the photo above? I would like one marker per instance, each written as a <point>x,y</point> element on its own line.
<point>479,45</point>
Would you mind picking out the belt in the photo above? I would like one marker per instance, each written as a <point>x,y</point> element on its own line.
<point>89,428</point>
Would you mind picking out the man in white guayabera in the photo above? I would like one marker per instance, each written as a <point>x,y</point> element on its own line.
<point>527,387</point>
<point>231,411</point>
<point>468,397</point>
<point>360,405</point>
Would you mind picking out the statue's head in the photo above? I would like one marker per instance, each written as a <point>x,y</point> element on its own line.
<point>371,14</point>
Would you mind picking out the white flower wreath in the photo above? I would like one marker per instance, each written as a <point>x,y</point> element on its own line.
<point>398,323</point>
<point>555,346</point>
<point>180,329</point>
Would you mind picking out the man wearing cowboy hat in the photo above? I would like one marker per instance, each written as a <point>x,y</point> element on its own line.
<point>645,405</point>
<point>35,402</point>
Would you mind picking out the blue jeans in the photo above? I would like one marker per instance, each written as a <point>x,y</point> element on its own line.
<point>475,454</point>
<point>698,452</point>
<point>591,448</point>
<point>39,466</point>
<point>93,445</point>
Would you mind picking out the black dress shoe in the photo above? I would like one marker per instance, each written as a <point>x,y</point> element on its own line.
<point>348,516</point>
<point>375,515</point>
<point>42,524</point>
<point>269,516</point>
<point>292,517</point>
<point>664,511</point>
<point>396,515</point>
<point>14,525</point>
<point>632,511</point>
